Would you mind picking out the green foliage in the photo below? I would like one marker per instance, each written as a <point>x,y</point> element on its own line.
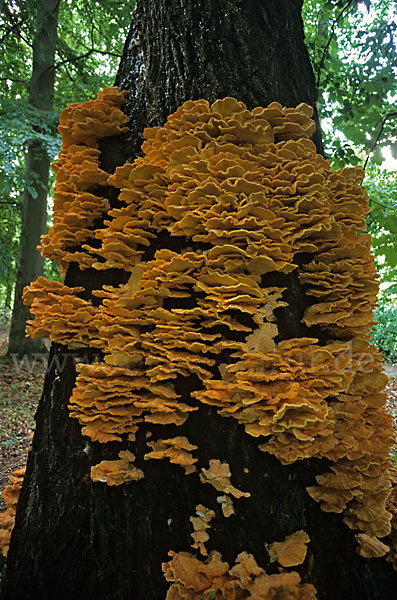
<point>5,318</point>
<point>353,48</point>
<point>385,332</point>
<point>51,270</point>
<point>10,225</point>
<point>382,223</point>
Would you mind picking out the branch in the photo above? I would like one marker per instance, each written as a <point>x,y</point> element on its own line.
<point>334,23</point>
<point>86,55</point>
<point>108,53</point>
<point>8,31</point>
<point>6,201</point>
<point>386,118</point>
<point>375,222</point>
<point>74,59</point>
<point>68,73</point>
<point>371,200</point>
<point>13,80</point>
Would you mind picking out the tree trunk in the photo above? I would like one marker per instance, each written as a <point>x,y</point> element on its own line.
<point>34,197</point>
<point>73,538</point>
<point>9,291</point>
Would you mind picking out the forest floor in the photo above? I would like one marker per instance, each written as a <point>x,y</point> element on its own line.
<point>20,390</point>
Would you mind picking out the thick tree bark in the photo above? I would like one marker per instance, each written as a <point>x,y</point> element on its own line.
<point>251,50</point>
<point>34,197</point>
<point>73,538</point>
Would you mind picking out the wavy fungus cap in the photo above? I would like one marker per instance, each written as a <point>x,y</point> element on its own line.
<point>291,551</point>
<point>116,472</point>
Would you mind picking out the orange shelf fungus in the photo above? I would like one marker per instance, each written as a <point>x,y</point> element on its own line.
<point>358,483</point>
<point>196,580</point>
<point>218,475</point>
<point>90,121</point>
<point>7,518</point>
<point>281,391</point>
<point>60,314</point>
<point>177,449</point>
<point>370,547</point>
<point>78,176</point>
<point>116,472</point>
<point>290,552</point>
<point>110,401</point>
<point>200,525</point>
<point>226,505</point>
<point>391,505</point>
<point>249,200</point>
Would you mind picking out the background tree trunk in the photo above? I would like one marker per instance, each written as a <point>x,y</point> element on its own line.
<point>9,290</point>
<point>73,538</point>
<point>34,197</point>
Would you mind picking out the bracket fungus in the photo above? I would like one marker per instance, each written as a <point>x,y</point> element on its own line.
<point>218,475</point>
<point>291,551</point>
<point>391,505</point>
<point>226,505</point>
<point>370,547</point>
<point>116,472</point>
<point>110,401</point>
<point>77,205</point>
<point>60,314</point>
<point>177,449</point>
<point>200,524</point>
<point>246,200</point>
<point>7,518</point>
<point>193,579</point>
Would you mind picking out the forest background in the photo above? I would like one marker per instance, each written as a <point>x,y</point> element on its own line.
<point>353,48</point>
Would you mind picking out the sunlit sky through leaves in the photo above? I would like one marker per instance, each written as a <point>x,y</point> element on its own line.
<point>356,74</point>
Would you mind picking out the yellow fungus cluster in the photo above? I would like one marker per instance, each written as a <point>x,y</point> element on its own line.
<point>214,174</point>
<point>60,314</point>
<point>78,202</point>
<point>370,547</point>
<point>240,195</point>
<point>358,482</point>
<point>200,524</point>
<point>392,507</point>
<point>110,401</point>
<point>218,475</point>
<point>282,393</point>
<point>193,579</point>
